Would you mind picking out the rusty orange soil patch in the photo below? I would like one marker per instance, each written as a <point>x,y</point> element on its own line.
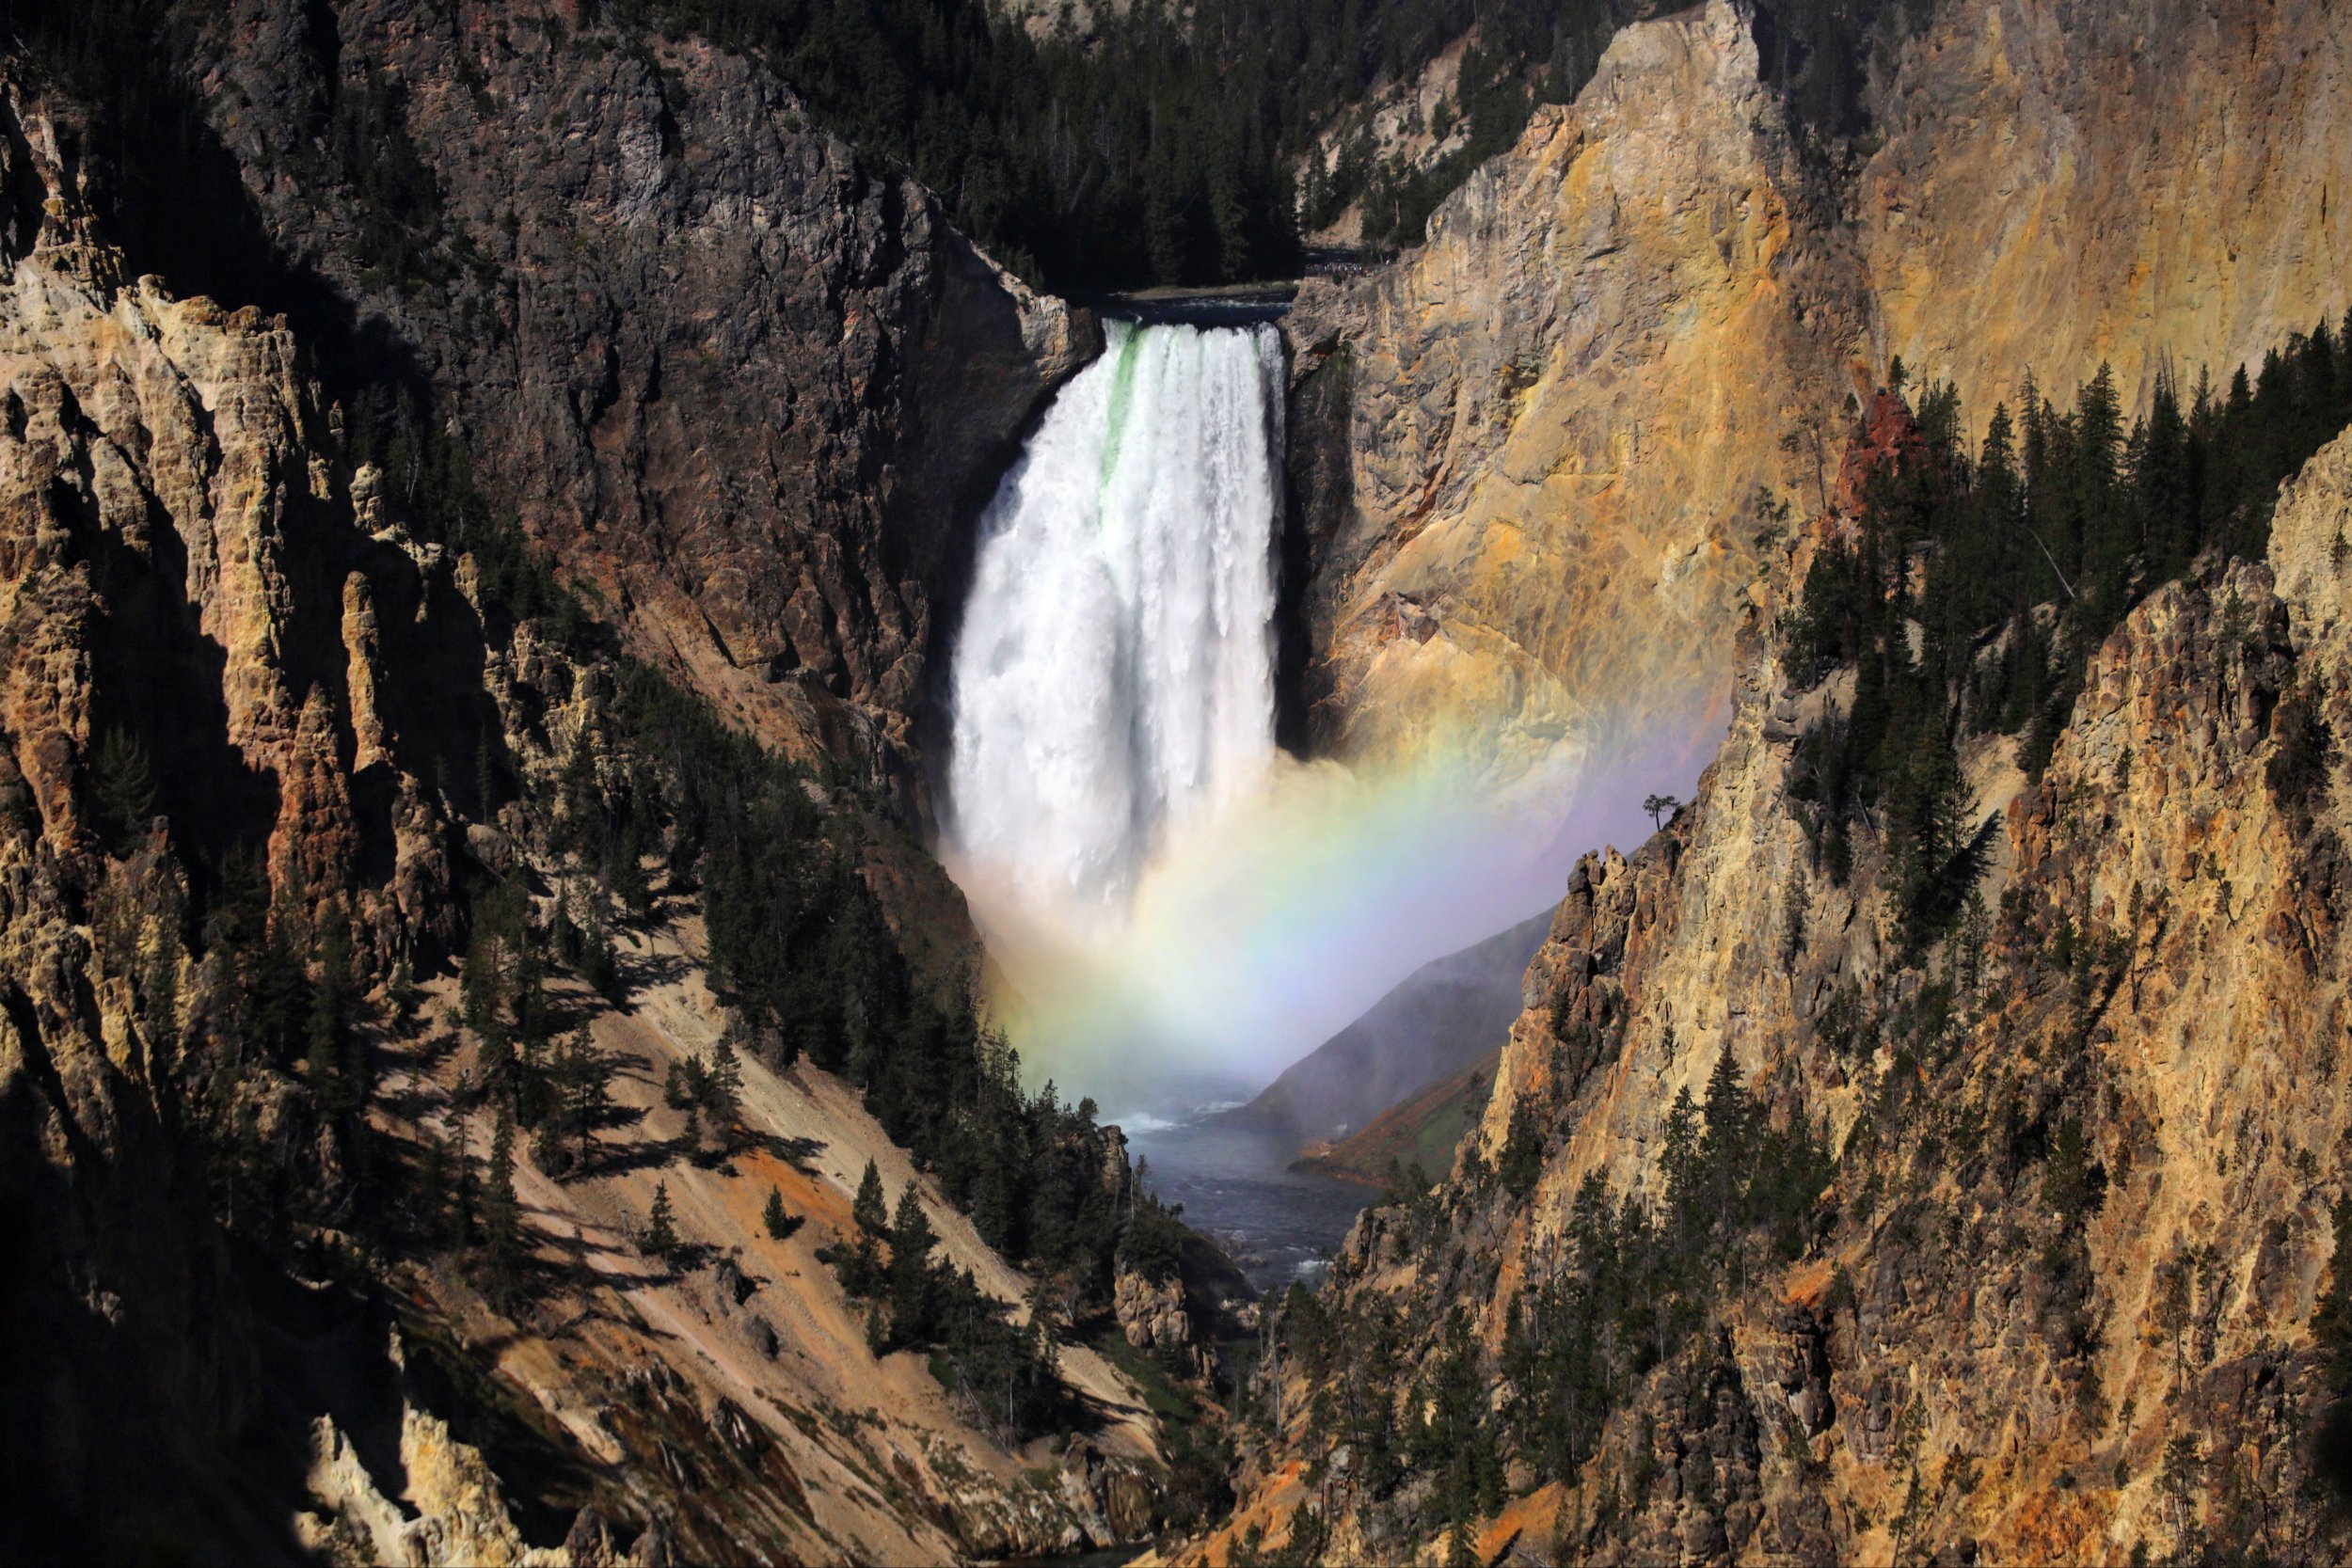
<point>1270,1509</point>
<point>1527,1518</point>
<point>1804,1285</point>
<point>2054,1526</point>
<point>816,1201</point>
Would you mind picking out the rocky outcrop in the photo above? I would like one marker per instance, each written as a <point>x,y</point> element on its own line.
<point>1152,1316</point>
<point>247,710</point>
<point>173,691</point>
<point>451,1512</point>
<point>746,391</point>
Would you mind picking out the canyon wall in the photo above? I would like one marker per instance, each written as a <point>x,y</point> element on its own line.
<point>180,562</point>
<point>1527,453</point>
<point>2069,1290</point>
<point>2142,183</point>
<point>2067,1294</point>
<point>1526,457</point>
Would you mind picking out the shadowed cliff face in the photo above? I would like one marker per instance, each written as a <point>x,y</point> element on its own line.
<point>178,561</point>
<point>745,392</point>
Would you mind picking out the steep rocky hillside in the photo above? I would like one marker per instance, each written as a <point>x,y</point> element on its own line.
<point>1445,1015</point>
<point>312,1256</point>
<point>1426,1128</point>
<point>1787,1233</point>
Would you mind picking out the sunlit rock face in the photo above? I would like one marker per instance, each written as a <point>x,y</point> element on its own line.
<point>2135,183</point>
<point>2055,188</point>
<point>1527,453</point>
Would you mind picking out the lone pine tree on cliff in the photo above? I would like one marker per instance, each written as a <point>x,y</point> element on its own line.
<point>660,1225</point>
<point>869,1207</point>
<point>778,1223</point>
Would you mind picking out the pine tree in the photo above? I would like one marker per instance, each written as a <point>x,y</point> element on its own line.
<point>326,1064</point>
<point>722,1090</point>
<point>532,1030</point>
<point>463,1196</point>
<point>501,1223</point>
<point>2103,527</point>
<point>1679,1162</point>
<point>1725,1149</point>
<point>582,1075</point>
<point>581,826</point>
<point>124,788</point>
<point>597,965</point>
<point>482,984</point>
<point>870,1208</point>
<point>911,1242</point>
<point>322,1068</point>
<point>626,874</point>
<point>400,994</point>
<point>660,1225</point>
<point>779,1224</point>
<point>429,1188</point>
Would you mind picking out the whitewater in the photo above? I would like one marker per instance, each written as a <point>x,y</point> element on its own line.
<point>1114,680</point>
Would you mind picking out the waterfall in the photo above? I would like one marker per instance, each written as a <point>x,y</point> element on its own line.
<point>1114,678</point>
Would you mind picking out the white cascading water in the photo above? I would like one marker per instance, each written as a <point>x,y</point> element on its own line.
<point>1114,678</point>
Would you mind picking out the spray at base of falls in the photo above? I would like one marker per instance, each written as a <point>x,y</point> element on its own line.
<point>1276,924</point>
<point>1176,909</point>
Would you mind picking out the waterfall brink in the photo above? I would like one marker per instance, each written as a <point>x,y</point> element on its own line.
<point>1114,679</point>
